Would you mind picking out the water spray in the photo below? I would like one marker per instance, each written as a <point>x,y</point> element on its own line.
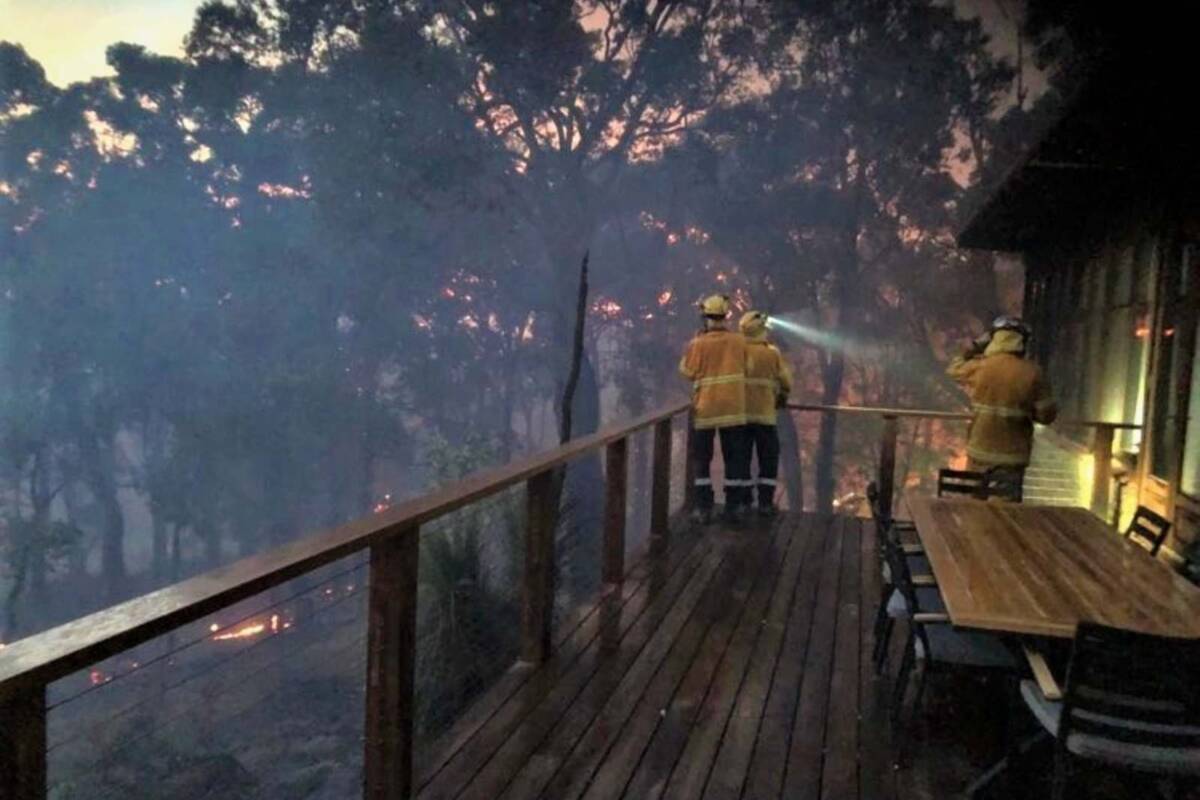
<point>801,325</point>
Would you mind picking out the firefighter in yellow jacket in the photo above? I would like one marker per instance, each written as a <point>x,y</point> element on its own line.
<point>715,363</point>
<point>768,384</point>
<point>1008,395</point>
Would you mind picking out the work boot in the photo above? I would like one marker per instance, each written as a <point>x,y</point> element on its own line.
<point>733,514</point>
<point>701,516</point>
<point>767,509</point>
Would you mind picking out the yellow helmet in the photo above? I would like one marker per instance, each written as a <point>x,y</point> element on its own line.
<point>715,305</point>
<point>753,324</point>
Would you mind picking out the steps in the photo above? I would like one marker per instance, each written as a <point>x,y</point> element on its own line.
<point>1053,477</point>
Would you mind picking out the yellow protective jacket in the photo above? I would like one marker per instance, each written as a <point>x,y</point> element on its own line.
<point>715,363</point>
<point>767,380</point>
<point>1008,394</point>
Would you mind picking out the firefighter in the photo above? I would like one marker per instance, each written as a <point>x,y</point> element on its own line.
<point>1008,395</point>
<point>715,363</point>
<point>768,384</point>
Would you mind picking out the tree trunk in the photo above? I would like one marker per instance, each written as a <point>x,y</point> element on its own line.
<point>789,451</point>
<point>158,564</point>
<point>833,373</point>
<point>210,534</point>
<point>78,558</point>
<point>98,469</point>
<point>38,556</point>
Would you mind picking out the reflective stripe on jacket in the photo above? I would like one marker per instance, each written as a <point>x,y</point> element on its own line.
<point>1008,394</point>
<point>715,363</point>
<point>767,377</point>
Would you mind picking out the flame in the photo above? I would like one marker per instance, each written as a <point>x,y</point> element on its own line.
<point>608,309</point>
<point>245,632</point>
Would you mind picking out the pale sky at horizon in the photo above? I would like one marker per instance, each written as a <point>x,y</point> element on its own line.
<point>69,37</point>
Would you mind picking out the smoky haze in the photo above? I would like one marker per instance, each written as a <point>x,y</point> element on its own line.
<point>328,256</point>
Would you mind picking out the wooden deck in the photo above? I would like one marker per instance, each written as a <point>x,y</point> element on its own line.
<point>736,665</point>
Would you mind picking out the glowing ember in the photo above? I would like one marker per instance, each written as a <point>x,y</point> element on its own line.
<point>274,623</point>
<point>665,297</point>
<point>97,677</point>
<point>245,632</point>
<point>607,308</point>
<point>383,505</point>
<point>214,627</point>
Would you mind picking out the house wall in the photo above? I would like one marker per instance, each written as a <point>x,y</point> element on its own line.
<point>1115,312</point>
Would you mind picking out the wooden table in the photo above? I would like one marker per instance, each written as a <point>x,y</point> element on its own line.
<point>1040,570</point>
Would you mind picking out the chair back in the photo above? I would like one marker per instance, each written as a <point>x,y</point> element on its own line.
<point>901,576</point>
<point>961,482</point>
<point>1149,527</point>
<point>1005,484</point>
<point>1132,687</point>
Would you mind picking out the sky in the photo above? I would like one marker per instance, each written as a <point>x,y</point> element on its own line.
<point>69,37</point>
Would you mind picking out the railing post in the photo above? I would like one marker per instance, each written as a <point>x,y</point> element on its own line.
<point>391,662</point>
<point>616,468</point>
<point>660,491</point>
<point>1102,453</point>
<point>887,464</point>
<point>689,463</point>
<point>537,585</point>
<point>23,745</point>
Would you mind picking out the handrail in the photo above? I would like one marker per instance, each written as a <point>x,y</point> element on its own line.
<point>28,665</point>
<point>919,413</point>
<point>1103,435</point>
<point>58,652</point>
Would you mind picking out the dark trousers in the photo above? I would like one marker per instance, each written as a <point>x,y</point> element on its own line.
<point>764,442</point>
<point>735,451</point>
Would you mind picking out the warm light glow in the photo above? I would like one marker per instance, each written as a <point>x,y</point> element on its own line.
<point>245,632</point>
<point>609,309</point>
<point>664,297</point>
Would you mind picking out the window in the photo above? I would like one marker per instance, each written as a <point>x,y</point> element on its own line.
<point>1190,483</point>
<point>1174,365</point>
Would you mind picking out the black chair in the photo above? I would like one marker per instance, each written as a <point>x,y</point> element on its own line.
<point>1131,701</point>
<point>892,605</point>
<point>1148,527</point>
<point>1002,483</point>
<point>961,482</point>
<point>1005,484</point>
<point>933,641</point>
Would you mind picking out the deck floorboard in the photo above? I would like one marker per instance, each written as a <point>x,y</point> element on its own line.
<point>735,667</point>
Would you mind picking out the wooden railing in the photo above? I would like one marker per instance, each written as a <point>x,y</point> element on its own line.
<point>1103,434</point>
<point>29,665</point>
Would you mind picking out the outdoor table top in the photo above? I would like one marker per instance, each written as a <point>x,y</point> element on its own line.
<point>1040,570</point>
